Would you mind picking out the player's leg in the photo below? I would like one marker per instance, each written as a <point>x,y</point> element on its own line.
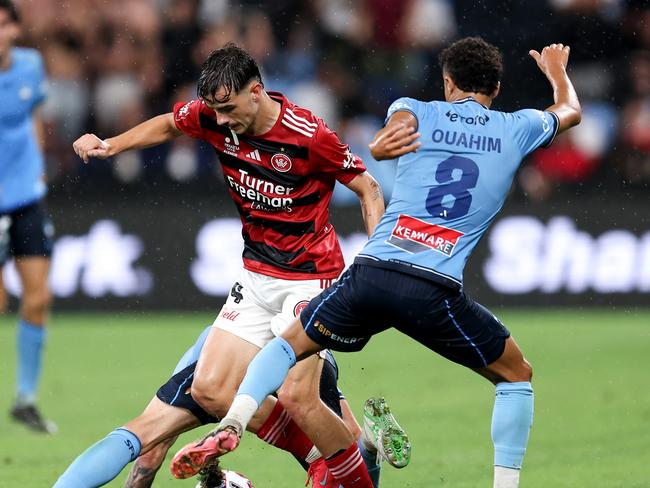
<point>147,465</point>
<point>467,333</point>
<point>147,432</point>
<point>300,396</point>
<point>512,416</point>
<point>368,452</point>
<point>270,368</point>
<point>3,292</point>
<point>221,366</point>
<point>239,331</point>
<point>5,242</point>
<point>34,306</point>
<point>31,245</point>
<point>104,460</point>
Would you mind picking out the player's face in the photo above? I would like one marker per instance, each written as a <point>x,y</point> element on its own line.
<point>8,32</point>
<point>238,112</point>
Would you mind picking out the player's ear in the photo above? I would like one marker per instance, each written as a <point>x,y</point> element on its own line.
<point>450,86</point>
<point>496,91</point>
<point>14,31</point>
<point>256,91</point>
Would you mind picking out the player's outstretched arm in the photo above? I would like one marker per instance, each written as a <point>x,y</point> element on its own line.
<point>152,132</point>
<point>552,61</point>
<point>398,137</point>
<point>371,198</point>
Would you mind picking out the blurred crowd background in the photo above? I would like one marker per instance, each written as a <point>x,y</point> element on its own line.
<point>114,63</point>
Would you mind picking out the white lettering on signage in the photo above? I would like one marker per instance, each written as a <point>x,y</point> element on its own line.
<point>97,264</point>
<point>527,255</point>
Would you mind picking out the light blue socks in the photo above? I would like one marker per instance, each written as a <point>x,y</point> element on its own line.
<point>193,353</point>
<point>512,419</point>
<point>268,370</point>
<point>101,462</point>
<point>30,341</point>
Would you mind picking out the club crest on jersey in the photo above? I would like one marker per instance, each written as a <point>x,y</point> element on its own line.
<point>300,306</point>
<point>415,235</point>
<point>281,162</point>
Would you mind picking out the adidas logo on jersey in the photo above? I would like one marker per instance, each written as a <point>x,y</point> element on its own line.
<point>254,155</point>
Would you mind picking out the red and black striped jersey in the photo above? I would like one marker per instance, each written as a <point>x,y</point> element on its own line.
<point>281,183</point>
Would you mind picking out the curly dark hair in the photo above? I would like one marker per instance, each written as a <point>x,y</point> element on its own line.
<point>211,475</point>
<point>10,8</point>
<point>474,65</point>
<point>230,67</point>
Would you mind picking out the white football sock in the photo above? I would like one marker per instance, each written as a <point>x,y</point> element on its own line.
<point>506,477</point>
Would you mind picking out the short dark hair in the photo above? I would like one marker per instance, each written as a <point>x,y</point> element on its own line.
<point>10,8</point>
<point>211,475</point>
<point>230,67</point>
<point>474,65</point>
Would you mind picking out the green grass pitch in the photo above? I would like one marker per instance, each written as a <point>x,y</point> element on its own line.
<point>592,409</point>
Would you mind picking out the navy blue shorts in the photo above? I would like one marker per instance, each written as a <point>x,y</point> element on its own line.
<point>176,391</point>
<point>26,231</point>
<point>369,299</point>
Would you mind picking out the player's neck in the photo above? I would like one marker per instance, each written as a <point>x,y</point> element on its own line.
<point>267,116</point>
<point>5,60</point>
<point>484,100</point>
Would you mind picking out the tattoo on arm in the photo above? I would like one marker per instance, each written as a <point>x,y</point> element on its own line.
<point>377,193</point>
<point>140,477</point>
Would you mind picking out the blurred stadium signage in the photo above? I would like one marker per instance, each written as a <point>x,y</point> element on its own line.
<point>167,255</point>
<point>527,255</point>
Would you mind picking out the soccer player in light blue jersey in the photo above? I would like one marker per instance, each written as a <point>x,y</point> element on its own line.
<point>25,230</point>
<point>457,159</point>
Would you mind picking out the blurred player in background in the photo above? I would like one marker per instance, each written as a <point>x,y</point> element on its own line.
<point>173,411</point>
<point>25,230</point>
<point>449,187</point>
<point>280,163</point>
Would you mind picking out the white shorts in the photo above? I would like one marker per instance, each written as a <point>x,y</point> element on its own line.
<point>261,307</point>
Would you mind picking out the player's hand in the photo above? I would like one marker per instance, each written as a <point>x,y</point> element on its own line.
<point>394,141</point>
<point>90,146</point>
<point>552,57</point>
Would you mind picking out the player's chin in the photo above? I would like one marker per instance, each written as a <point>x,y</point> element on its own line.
<point>239,127</point>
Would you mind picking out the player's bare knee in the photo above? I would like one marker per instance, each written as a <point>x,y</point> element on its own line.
<point>522,371</point>
<point>211,397</point>
<point>36,305</point>
<point>295,403</point>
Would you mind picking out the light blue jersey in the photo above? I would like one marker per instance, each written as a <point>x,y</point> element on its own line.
<point>22,88</point>
<point>448,192</point>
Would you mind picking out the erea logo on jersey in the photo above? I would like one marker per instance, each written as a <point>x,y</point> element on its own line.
<point>415,235</point>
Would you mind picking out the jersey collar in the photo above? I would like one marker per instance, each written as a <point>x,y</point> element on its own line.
<point>470,99</point>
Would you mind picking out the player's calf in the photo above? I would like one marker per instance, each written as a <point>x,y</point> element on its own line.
<point>147,465</point>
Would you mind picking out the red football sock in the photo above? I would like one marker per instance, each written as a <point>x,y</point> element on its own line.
<point>281,431</point>
<point>348,468</point>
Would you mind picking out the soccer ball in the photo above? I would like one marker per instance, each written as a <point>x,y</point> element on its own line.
<point>231,479</point>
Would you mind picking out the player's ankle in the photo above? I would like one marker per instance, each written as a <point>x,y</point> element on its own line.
<point>506,477</point>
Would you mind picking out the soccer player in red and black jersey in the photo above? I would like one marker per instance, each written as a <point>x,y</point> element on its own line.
<point>280,163</point>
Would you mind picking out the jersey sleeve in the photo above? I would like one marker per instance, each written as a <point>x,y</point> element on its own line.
<point>405,104</point>
<point>187,118</point>
<point>535,128</point>
<point>333,156</point>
